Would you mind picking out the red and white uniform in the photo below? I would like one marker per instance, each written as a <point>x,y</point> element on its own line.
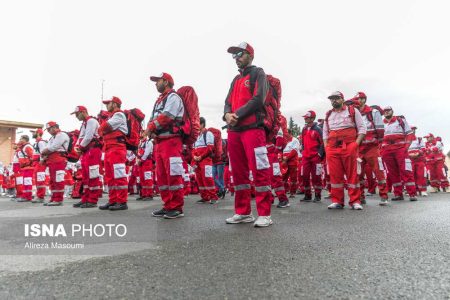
<point>146,168</point>
<point>167,113</point>
<point>113,132</point>
<point>56,162</point>
<point>394,151</point>
<point>341,132</point>
<point>25,155</point>
<point>39,168</point>
<point>88,142</point>
<point>435,160</point>
<point>312,156</point>
<point>204,147</point>
<point>369,153</point>
<point>290,158</point>
<point>247,142</point>
<point>417,152</point>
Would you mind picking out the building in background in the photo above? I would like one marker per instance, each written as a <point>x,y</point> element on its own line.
<point>8,131</point>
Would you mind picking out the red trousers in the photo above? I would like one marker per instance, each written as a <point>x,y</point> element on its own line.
<point>371,182</point>
<point>399,167</point>
<point>228,179</point>
<point>27,192</point>
<point>203,173</point>
<point>247,151</point>
<point>186,179</point>
<point>276,179</point>
<point>57,173</point>
<point>90,168</point>
<point>420,175</point>
<point>312,170</point>
<point>290,179</point>
<point>169,171</point>
<point>115,172</point>
<point>437,174</point>
<point>19,183</point>
<point>370,156</point>
<point>341,161</point>
<point>146,175</point>
<point>41,185</point>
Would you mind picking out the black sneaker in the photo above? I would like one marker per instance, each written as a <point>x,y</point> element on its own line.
<point>173,214</point>
<point>202,201</point>
<point>413,198</point>
<point>140,199</point>
<point>147,198</point>
<point>159,213</point>
<point>397,198</point>
<point>317,198</point>
<point>306,199</point>
<point>213,201</point>
<point>106,206</point>
<point>88,205</point>
<point>119,206</point>
<point>283,204</point>
<point>78,204</point>
<point>363,201</point>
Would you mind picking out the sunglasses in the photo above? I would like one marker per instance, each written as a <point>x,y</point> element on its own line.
<point>239,54</point>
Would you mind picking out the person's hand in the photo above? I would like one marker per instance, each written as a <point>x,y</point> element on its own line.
<point>78,150</point>
<point>231,119</point>
<point>197,158</point>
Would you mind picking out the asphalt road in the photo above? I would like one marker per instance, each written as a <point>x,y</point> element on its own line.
<point>400,251</point>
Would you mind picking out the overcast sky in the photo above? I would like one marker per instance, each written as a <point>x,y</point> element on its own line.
<point>55,54</point>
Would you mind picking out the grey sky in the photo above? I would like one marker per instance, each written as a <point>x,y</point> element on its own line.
<point>55,54</point>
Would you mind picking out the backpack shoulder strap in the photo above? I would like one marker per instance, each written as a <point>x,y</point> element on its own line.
<point>253,75</point>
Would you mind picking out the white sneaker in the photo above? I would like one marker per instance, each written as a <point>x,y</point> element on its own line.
<point>263,221</point>
<point>424,194</point>
<point>335,206</point>
<point>236,219</point>
<point>357,206</point>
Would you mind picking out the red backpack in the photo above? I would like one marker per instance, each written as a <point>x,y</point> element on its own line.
<point>272,104</point>
<point>217,154</point>
<point>135,117</point>
<point>190,127</point>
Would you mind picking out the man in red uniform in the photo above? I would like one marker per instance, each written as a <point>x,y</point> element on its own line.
<point>243,112</point>
<point>114,131</point>
<point>369,153</point>
<point>145,162</point>
<point>277,178</point>
<point>417,154</point>
<point>394,150</point>
<point>202,163</point>
<point>25,154</point>
<point>343,132</point>
<point>39,166</point>
<point>313,154</point>
<point>164,126</point>
<point>55,156</point>
<point>88,145</point>
<point>290,160</point>
<point>435,164</point>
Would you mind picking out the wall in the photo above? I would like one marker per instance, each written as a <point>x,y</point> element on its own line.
<point>7,137</point>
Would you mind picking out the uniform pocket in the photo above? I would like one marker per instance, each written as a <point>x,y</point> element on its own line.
<point>408,165</point>
<point>208,172</point>
<point>40,176</point>
<point>60,176</point>
<point>262,160</point>
<point>276,169</point>
<point>318,169</point>
<point>176,166</point>
<point>119,171</point>
<point>28,181</point>
<point>148,175</point>
<point>94,171</point>
<point>19,180</point>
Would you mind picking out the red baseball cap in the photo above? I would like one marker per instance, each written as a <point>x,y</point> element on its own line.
<point>429,135</point>
<point>387,108</point>
<point>413,127</point>
<point>310,114</point>
<point>50,124</point>
<point>360,95</point>
<point>164,76</point>
<point>79,109</point>
<point>242,46</point>
<point>113,99</point>
<point>336,94</point>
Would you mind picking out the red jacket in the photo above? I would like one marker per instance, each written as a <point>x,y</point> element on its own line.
<point>111,138</point>
<point>312,141</point>
<point>246,98</point>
